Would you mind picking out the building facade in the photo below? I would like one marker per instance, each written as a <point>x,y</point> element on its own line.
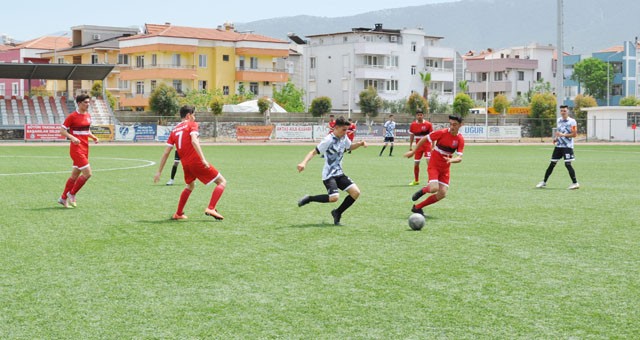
<point>188,58</point>
<point>343,64</point>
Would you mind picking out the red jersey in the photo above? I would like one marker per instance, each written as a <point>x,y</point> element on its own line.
<point>446,145</point>
<point>78,125</point>
<point>351,131</point>
<point>332,126</point>
<point>420,130</point>
<point>181,137</point>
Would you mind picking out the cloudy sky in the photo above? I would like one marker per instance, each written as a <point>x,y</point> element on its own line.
<point>24,20</point>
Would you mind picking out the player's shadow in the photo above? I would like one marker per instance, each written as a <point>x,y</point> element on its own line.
<point>49,208</point>
<point>313,225</point>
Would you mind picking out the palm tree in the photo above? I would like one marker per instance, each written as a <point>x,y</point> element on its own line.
<point>463,86</point>
<point>426,80</point>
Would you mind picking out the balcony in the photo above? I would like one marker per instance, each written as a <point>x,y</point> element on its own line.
<point>494,86</point>
<point>376,72</point>
<point>262,74</point>
<point>134,100</point>
<point>438,52</point>
<point>158,72</point>
<point>377,48</point>
<point>440,74</point>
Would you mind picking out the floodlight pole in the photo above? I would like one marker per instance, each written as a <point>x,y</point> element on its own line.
<point>560,56</point>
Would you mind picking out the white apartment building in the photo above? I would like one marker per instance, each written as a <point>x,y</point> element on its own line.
<point>509,71</point>
<point>341,65</point>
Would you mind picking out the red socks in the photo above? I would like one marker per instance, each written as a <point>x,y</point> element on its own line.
<point>184,197</point>
<point>429,201</point>
<point>215,196</point>
<point>78,185</point>
<point>67,187</point>
<point>416,172</point>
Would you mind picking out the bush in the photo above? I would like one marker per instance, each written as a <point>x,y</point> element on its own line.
<point>263,105</point>
<point>370,103</point>
<point>462,104</point>
<point>164,100</point>
<point>630,101</point>
<point>501,104</point>
<point>416,102</point>
<point>320,106</point>
<point>543,109</point>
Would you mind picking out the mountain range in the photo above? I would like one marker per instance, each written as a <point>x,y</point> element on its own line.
<point>589,25</point>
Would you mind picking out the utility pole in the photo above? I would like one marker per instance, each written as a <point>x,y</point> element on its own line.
<point>560,63</point>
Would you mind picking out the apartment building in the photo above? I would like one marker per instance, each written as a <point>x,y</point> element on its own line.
<point>509,71</point>
<point>624,67</point>
<point>340,65</point>
<point>189,58</point>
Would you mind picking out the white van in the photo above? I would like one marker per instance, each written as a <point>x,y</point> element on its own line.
<point>477,110</point>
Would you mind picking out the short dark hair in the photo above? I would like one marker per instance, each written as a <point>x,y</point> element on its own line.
<point>82,97</point>
<point>456,118</point>
<point>564,106</point>
<point>390,116</point>
<point>419,110</point>
<point>340,121</point>
<point>331,116</point>
<point>185,110</point>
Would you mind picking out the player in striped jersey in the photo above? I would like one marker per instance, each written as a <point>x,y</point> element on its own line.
<point>77,128</point>
<point>333,147</point>
<point>567,130</point>
<point>389,135</point>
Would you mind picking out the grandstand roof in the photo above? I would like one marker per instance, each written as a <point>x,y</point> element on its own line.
<point>54,71</point>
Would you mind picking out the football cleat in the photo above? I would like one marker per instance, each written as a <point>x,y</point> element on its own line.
<point>71,199</point>
<point>417,210</point>
<point>63,202</point>
<point>336,216</point>
<point>414,183</point>
<point>179,217</point>
<point>303,201</point>
<point>416,196</point>
<point>214,213</point>
<point>541,185</point>
<point>574,186</point>
<point>170,182</point>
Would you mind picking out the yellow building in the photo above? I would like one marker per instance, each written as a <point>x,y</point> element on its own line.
<point>188,58</point>
<point>90,45</point>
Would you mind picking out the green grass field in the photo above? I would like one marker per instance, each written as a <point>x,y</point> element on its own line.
<point>497,258</point>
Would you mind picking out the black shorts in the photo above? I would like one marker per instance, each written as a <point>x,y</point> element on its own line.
<point>176,157</point>
<point>341,182</point>
<point>389,139</point>
<point>563,153</point>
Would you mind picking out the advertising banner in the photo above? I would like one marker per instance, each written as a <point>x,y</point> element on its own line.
<point>163,132</point>
<point>369,132</point>
<point>319,131</point>
<point>103,132</point>
<point>145,132</point>
<point>254,132</point>
<point>294,132</point>
<point>493,132</point>
<point>125,133</point>
<point>43,132</point>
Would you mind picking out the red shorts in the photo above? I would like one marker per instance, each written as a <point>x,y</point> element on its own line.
<point>198,171</point>
<point>423,150</point>
<point>438,173</point>
<point>80,159</point>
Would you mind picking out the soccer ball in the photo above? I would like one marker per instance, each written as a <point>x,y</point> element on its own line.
<point>416,221</point>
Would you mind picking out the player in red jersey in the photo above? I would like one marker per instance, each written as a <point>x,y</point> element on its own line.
<point>446,143</point>
<point>351,130</point>
<point>77,129</point>
<point>419,129</point>
<point>332,123</point>
<point>185,138</point>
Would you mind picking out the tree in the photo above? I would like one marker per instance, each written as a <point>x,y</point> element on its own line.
<point>463,86</point>
<point>394,106</point>
<point>539,86</point>
<point>592,74</point>
<point>216,105</point>
<point>543,110</point>
<point>501,104</point>
<point>462,104</point>
<point>581,102</point>
<point>320,106</point>
<point>370,103</point>
<point>264,104</point>
<point>416,102</point>
<point>200,99</point>
<point>426,81</point>
<point>164,100</point>
<point>520,101</point>
<point>290,98</point>
<point>630,101</point>
<point>96,91</point>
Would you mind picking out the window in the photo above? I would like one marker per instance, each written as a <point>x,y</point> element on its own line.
<point>616,90</point>
<point>253,63</point>
<point>61,60</point>
<point>225,57</point>
<point>413,46</point>
<point>154,60</point>
<point>616,67</point>
<point>520,75</point>
<point>538,76</point>
<point>14,89</point>
<point>312,62</point>
<point>253,88</point>
<point>484,76</point>
<point>328,81</point>
<point>241,63</point>
<point>154,84</point>
<point>94,59</point>
<point>413,70</point>
<point>392,85</point>
<point>371,60</point>
<point>140,87</point>
<point>176,60</point>
<point>177,85</point>
<point>2,90</point>
<point>633,118</point>
<point>432,63</point>
<point>225,90</point>
<point>497,76</point>
<point>140,61</point>
<point>345,39</point>
<point>392,61</point>
<point>202,60</point>
<point>123,59</point>
<point>370,82</point>
<point>202,85</point>
<point>123,84</point>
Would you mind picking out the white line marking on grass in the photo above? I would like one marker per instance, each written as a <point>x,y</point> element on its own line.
<point>147,163</point>
<point>608,151</point>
